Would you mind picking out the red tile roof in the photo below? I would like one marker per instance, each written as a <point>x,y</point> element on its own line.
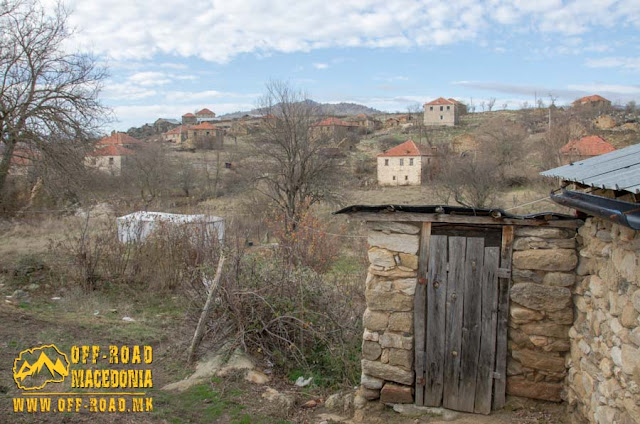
<point>408,148</point>
<point>188,115</point>
<point>441,101</point>
<point>112,150</point>
<point>118,139</point>
<point>592,98</point>
<point>329,122</point>
<point>176,130</point>
<point>205,111</point>
<point>202,126</point>
<point>587,146</point>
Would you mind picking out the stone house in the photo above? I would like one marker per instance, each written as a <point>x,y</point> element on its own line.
<point>442,111</point>
<point>112,159</point>
<point>366,123</point>
<point>205,134</point>
<point>120,139</point>
<point>467,305</point>
<point>189,119</point>
<point>406,164</point>
<point>594,101</point>
<point>603,383</point>
<point>334,128</point>
<point>174,135</point>
<point>584,148</point>
<point>205,115</point>
<point>391,123</point>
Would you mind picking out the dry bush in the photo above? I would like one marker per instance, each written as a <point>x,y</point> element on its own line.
<point>291,315</point>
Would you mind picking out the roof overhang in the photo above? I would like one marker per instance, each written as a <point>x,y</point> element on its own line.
<point>623,213</point>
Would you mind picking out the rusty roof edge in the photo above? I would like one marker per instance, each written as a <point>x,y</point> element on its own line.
<point>451,210</point>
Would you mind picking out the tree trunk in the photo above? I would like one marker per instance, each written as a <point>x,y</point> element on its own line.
<point>5,164</point>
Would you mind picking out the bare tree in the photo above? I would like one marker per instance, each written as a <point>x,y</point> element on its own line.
<point>490,103</point>
<point>290,169</point>
<point>552,100</point>
<point>149,172</point>
<point>504,106</point>
<point>503,140</point>
<point>46,94</point>
<point>417,112</point>
<point>483,105</point>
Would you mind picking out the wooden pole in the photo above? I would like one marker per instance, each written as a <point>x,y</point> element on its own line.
<point>197,337</point>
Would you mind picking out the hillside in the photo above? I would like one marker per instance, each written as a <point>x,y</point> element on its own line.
<point>339,109</point>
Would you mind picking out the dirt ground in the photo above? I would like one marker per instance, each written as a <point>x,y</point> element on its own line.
<point>229,400</point>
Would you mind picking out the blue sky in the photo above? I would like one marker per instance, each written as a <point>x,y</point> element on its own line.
<point>172,57</point>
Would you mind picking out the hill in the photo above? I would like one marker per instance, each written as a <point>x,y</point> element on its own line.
<point>339,109</point>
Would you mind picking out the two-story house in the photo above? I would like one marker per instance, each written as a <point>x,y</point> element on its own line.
<point>406,164</point>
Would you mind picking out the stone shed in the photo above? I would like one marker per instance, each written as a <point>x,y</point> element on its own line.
<point>466,305</point>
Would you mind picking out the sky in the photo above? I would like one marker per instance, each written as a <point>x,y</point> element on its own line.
<point>171,57</point>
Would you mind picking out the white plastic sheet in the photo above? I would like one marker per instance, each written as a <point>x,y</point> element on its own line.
<point>138,226</point>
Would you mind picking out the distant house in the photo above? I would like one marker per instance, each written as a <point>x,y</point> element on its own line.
<point>594,101</point>
<point>443,111</point>
<point>391,122</point>
<point>366,123</point>
<point>112,159</point>
<point>334,128</point>
<point>205,115</point>
<point>406,164</point>
<point>584,148</point>
<point>204,135</point>
<point>189,118</point>
<point>120,139</point>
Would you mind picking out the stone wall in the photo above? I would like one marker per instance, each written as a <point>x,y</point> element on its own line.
<point>387,347</point>
<point>541,311</point>
<point>603,384</point>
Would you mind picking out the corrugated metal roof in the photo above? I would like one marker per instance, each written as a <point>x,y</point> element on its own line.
<point>618,170</point>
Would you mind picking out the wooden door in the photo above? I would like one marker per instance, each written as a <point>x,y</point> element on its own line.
<point>461,343</point>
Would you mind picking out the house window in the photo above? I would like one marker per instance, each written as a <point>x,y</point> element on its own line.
<point>386,162</point>
<point>394,178</point>
<point>428,160</point>
<point>441,117</point>
<point>410,161</point>
<point>110,161</point>
<point>207,132</point>
<point>401,162</point>
<point>195,133</point>
<point>431,108</point>
<point>441,108</point>
<point>406,178</point>
<point>448,107</point>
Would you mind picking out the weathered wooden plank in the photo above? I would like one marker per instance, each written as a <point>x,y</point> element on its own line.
<point>492,235</point>
<point>480,220</point>
<point>453,339</point>
<point>471,324</point>
<point>486,359</point>
<point>500,384</point>
<point>436,288</point>
<point>419,312</point>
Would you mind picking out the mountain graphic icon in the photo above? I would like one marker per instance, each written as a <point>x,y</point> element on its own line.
<point>58,368</point>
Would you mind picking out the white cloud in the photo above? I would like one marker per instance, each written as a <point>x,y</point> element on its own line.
<point>321,65</point>
<point>149,78</point>
<point>630,63</point>
<point>219,30</point>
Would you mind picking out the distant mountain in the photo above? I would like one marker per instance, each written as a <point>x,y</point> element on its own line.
<point>338,109</point>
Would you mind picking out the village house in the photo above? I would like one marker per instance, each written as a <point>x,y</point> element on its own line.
<point>120,139</point>
<point>334,128</point>
<point>406,164</point>
<point>594,101</point>
<point>584,148</point>
<point>366,123</point>
<point>189,119</point>
<point>205,115</point>
<point>442,111</point>
<point>113,159</point>
<point>205,135</point>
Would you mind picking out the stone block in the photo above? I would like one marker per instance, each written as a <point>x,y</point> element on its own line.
<point>547,233</point>
<point>539,360</point>
<point>406,286</point>
<point>396,272</point>
<point>547,329</point>
<point>368,394</point>
<point>381,257</point>
<point>401,321</point>
<point>541,298</point>
<point>559,279</point>
<point>388,301</point>
<point>410,261</point>
<point>529,389</point>
<point>375,320</point>
<point>523,314</point>
<point>626,263</point>
<point>563,316</point>
<point>404,243</point>
<point>371,336</point>
<point>396,341</point>
<point>401,357</point>
<point>597,287</point>
<point>371,382</point>
<point>371,350</point>
<point>546,260</point>
<point>526,243</point>
<point>526,276</point>
<point>635,300</point>
<point>394,393</point>
<point>393,227</point>
<point>387,372</point>
<point>629,316</point>
<point>630,358</point>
